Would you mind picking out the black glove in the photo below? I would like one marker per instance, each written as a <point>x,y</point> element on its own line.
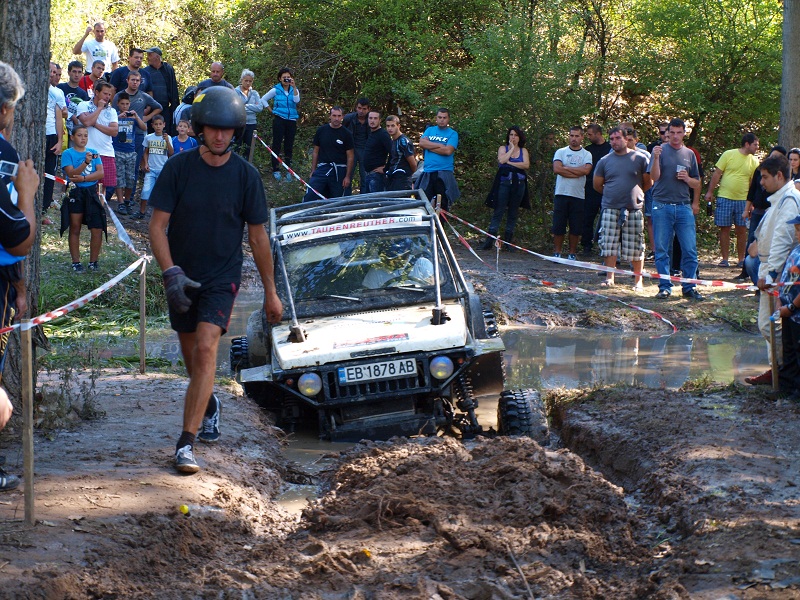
<point>175,282</point>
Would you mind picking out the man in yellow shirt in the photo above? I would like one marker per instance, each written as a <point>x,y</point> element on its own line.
<point>735,169</point>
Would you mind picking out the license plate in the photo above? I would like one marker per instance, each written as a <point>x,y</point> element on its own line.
<point>390,369</point>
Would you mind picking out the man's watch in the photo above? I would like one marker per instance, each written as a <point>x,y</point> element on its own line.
<point>792,308</point>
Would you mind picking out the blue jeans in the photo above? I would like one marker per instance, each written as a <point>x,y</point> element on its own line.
<point>375,182</point>
<point>507,200</point>
<point>328,185</point>
<point>670,220</point>
<point>751,264</point>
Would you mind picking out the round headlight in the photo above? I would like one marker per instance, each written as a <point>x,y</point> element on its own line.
<point>309,384</point>
<point>441,367</point>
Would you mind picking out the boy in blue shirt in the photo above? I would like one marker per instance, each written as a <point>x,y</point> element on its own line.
<point>83,167</point>
<point>183,141</point>
<point>125,153</point>
<point>157,149</point>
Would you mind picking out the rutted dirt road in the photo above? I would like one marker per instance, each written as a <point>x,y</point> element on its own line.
<point>657,494</point>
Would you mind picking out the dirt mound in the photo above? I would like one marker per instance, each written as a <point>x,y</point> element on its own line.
<point>416,518</point>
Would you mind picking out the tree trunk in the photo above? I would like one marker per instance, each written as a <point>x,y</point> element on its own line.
<point>790,88</point>
<point>25,45</point>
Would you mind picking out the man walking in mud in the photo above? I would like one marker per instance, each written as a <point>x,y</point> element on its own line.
<point>205,197</point>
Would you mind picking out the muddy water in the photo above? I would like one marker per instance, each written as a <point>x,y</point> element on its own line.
<point>537,358</point>
<point>567,358</point>
<point>534,358</point>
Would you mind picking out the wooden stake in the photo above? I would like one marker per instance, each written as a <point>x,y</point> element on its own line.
<point>142,318</point>
<point>772,346</point>
<point>252,147</point>
<point>27,420</point>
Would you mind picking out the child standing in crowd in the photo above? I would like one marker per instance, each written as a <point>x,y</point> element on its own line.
<point>125,152</point>
<point>182,141</point>
<point>157,149</point>
<point>83,167</point>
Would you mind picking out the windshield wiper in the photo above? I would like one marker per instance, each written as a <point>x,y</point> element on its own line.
<point>409,286</point>
<point>336,297</point>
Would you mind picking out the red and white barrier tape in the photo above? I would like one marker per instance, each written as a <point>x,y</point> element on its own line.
<point>287,167</point>
<point>553,284</point>
<point>596,267</point>
<point>56,179</point>
<point>75,304</point>
<point>122,234</point>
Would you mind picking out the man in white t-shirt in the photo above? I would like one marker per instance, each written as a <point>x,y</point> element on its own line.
<point>571,165</point>
<point>98,48</point>
<point>54,130</point>
<point>103,125</point>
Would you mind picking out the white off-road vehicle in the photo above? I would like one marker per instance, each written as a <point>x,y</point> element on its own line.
<point>381,334</point>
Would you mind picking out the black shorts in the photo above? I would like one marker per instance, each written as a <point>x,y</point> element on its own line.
<point>85,201</point>
<point>568,209</point>
<point>398,183</point>
<point>212,303</point>
<point>9,274</point>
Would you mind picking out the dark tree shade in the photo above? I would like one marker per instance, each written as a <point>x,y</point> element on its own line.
<point>24,44</point>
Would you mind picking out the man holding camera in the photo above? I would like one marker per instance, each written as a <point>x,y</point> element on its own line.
<point>146,107</point>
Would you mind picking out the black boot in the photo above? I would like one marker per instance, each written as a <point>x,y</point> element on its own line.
<point>488,243</point>
<point>507,247</point>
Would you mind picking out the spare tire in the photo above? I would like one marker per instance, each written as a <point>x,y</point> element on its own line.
<point>239,354</point>
<point>521,413</point>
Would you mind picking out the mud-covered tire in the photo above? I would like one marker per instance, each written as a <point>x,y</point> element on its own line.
<point>490,323</point>
<point>239,354</point>
<point>521,413</point>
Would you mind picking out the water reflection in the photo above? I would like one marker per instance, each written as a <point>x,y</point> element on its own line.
<point>568,358</point>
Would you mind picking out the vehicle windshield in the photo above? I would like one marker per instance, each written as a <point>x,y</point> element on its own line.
<point>391,268</point>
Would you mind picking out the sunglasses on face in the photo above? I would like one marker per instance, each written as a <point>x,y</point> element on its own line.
<point>664,132</point>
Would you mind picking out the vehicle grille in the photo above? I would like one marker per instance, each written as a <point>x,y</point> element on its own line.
<point>335,391</point>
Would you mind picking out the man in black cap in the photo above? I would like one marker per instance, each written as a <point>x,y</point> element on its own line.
<point>164,86</point>
<point>208,195</point>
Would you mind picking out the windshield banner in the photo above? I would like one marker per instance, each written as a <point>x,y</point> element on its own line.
<point>348,226</point>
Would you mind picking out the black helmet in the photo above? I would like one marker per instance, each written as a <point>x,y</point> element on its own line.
<point>219,107</point>
<point>188,96</point>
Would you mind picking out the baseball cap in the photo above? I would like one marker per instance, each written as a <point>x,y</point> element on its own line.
<point>155,49</point>
<point>794,221</point>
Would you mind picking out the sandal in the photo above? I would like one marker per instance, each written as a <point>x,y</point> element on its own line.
<point>639,288</point>
<point>607,284</point>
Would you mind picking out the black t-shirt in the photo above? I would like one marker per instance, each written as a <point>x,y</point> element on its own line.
<point>14,227</point>
<point>757,194</point>
<point>70,92</point>
<point>377,149</point>
<point>333,144</point>
<point>597,151</point>
<point>359,130</point>
<point>209,207</point>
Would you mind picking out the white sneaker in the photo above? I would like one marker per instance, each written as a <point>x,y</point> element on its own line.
<point>184,460</point>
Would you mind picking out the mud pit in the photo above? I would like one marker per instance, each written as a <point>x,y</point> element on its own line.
<point>663,495</point>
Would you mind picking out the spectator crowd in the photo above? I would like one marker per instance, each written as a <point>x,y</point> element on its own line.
<point>630,202</point>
